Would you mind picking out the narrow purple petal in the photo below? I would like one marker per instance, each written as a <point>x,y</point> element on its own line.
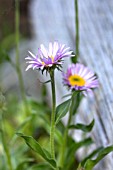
<point>47,58</point>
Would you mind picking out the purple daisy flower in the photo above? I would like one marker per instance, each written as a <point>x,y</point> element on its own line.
<point>79,77</point>
<point>48,58</point>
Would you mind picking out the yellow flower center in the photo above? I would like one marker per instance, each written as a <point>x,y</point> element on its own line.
<point>52,58</point>
<point>76,80</point>
<point>43,63</point>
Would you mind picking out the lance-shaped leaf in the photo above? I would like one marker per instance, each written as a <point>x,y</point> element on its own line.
<point>84,128</point>
<point>73,148</point>
<point>34,145</point>
<point>91,163</point>
<point>62,109</point>
<point>76,99</point>
<point>91,155</point>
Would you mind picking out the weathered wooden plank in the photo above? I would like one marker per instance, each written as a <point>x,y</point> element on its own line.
<point>96,48</point>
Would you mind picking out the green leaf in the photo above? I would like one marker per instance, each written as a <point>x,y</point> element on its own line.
<point>4,56</point>
<point>61,110</point>
<point>91,163</point>
<point>40,166</point>
<point>84,128</point>
<point>76,145</point>
<point>74,58</point>
<point>22,125</point>
<point>76,99</point>
<point>22,164</point>
<point>29,118</point>
<point>73,148</point>
<point>45,82</point>
<point>91,155</point>
<point>34,145</point>
<point>80,167</point>
<point>67,95</point>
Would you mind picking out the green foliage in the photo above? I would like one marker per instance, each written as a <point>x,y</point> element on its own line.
<point>89,165</point>
<point>74,58</point>
<point>91,155</point>
<point>40,166</point>
<point>72,149</point>
<point>4,56</point>
<point>80,167</point>
<point>8,42</point>
<point>62,109</point>
<point>21,165</point>
<point>2,102</point>
<point>76,99</point>
<point>84,128</point>
<point>34,145</point>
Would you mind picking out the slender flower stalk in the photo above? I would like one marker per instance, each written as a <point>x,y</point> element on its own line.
<point>77,28</point>
<point>52,115</point>
<point>20,78</point>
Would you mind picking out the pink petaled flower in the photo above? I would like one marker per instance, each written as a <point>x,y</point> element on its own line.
<point>79,77</point>
<point>48,58</point>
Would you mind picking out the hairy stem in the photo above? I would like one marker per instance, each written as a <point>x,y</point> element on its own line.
<point>52,115</point>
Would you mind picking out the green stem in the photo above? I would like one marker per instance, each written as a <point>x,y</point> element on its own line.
<point>77,28</point>
<point>65,138</point>
<point>5,145</point>
<point>52,115</point>
<point>17,22</point>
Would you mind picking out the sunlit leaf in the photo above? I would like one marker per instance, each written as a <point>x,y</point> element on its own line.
<point>62,109</point>
<point>91,163</point>
<point>25,122</point>
<point>84,128</point>
<point>34,145</point>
